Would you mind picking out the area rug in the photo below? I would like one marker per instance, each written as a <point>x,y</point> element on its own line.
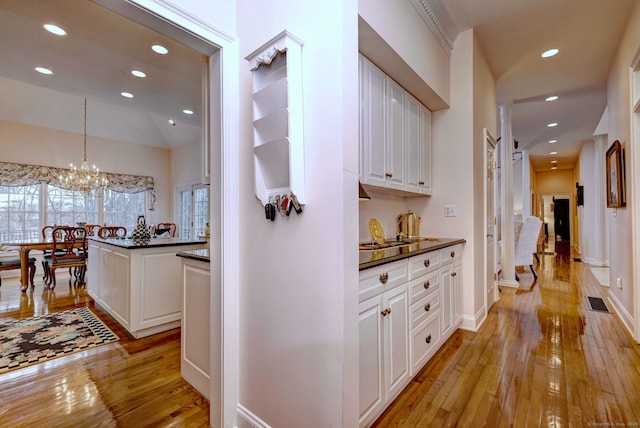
<point>35,340</point>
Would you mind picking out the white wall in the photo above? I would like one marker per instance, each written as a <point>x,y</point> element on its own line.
<point>299,275</point>
<point>409,52</point>
<point>484,116</point>
<point>620,220</point>
<point>41,146</point>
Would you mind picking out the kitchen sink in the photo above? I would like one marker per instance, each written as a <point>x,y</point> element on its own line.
<point>421,239</point>
<point>373,246</point>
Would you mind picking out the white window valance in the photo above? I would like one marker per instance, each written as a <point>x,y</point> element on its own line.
<point>17,174</point>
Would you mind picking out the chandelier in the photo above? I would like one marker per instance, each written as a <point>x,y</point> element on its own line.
<point>85,179</point>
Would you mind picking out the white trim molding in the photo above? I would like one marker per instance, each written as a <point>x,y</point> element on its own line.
<point>435,15</point>
<point>474,323</point>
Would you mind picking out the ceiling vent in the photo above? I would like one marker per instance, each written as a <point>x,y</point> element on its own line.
<point>438,20</point>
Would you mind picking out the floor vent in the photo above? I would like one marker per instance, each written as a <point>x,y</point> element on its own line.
<point>597,304</point>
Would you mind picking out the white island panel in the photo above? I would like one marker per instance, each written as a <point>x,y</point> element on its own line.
<point>139,285</point>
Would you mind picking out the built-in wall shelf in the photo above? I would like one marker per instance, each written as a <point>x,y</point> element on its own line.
<point>278,143</point>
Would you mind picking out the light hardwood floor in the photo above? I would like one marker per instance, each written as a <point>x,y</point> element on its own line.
<point>132,383</point>
<point>541,359</point>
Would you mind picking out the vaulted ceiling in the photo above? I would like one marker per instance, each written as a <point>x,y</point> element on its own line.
<point>96,57</point>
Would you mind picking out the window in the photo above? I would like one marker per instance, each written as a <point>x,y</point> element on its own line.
<point>25,210</point>
<point>68,207</point>
<point>123,209</point>
<point>193,210</point>
<point>19,212</point>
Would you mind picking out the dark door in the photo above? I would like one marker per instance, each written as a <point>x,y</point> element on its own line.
<point>561,219</point>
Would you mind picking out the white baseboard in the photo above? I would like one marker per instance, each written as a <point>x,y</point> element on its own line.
<point>473,323</point>
<point>249,419</point>
<point>593,262</point>
<point>622,313</point>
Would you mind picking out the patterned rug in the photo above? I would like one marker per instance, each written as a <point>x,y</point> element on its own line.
<point>35,340</point>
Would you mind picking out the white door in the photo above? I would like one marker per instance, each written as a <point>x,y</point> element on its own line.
<point>490,221</point>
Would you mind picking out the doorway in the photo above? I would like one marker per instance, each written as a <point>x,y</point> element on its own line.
<point>561,219</point>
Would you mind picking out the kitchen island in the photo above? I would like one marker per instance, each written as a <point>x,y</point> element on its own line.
<point>139,285</point>
<point>201,335</point>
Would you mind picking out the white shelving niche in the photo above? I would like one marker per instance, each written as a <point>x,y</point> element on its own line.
<point>278,144</point>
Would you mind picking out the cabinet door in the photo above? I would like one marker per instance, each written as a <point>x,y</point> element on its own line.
<point>395,174</point>
<point>424,181</point>
<point>446,299</point>
<point>396,340</point>
<point>413,137</point>
<point>117,283</point>
<point>373,92</point>
<point>456,292</point>
<point>370,323</point>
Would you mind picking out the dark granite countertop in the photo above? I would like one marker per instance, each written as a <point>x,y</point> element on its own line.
<point>153,242</point>
<point>201,255</point>
<point>372,258</point>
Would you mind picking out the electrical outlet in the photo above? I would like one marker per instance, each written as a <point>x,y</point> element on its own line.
<point>449,210</point>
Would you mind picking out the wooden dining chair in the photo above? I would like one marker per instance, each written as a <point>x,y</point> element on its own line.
<point>47,235</point>
<point>10,263</point>
<point>92,229</point>
<point>162,228</point>
<point>112,232</point>
<point>66,241</point>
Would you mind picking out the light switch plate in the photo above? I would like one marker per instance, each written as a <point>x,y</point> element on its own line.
<point>449,210</point>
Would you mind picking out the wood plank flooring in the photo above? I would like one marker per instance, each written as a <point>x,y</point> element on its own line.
<point>131,383</point>
<point>541,359</point>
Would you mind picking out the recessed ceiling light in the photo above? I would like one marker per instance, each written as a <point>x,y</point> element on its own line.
<point>554,167</point>
<point>159,49</point>
<point>551,125</point>
<point>54,29</point>
<point>187,111</point>
<point>554,161</point>
<point>549,53</point>
<point>553,141</point>
<point>172,122</point>
<point>138,73</point>
<point>126,94</point>
<point>551,98</point>
<point>553,153</point>
<point>43,70</point>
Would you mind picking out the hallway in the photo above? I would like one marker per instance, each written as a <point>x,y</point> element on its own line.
<point>541,359</point>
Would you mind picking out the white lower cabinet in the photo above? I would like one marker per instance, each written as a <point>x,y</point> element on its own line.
<point>450,283</point>
<point>408,308</point>
<point>384,350</point>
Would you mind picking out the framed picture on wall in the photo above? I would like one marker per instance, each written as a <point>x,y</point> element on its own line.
<point>615,176</point>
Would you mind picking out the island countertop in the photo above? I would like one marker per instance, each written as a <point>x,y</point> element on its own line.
<point>153,242</point>
<point>372,258</point>
<point>201,255</point>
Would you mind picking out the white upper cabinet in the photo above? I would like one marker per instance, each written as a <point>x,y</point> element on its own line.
<point>395,134</point>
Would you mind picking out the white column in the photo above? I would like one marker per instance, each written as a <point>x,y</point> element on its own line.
<point>599,253</point>
<point>526,185</point>
<point>506,181</point>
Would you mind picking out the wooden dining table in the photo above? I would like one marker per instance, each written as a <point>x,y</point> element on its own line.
<point>24,247</point>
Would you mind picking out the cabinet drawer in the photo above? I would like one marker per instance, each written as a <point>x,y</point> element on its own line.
<point>424,343</point>
<point>451,253</point>
<point>376,280</point>
<point>424,263</point>
<point>423,285</point>
<point>424,309</point>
